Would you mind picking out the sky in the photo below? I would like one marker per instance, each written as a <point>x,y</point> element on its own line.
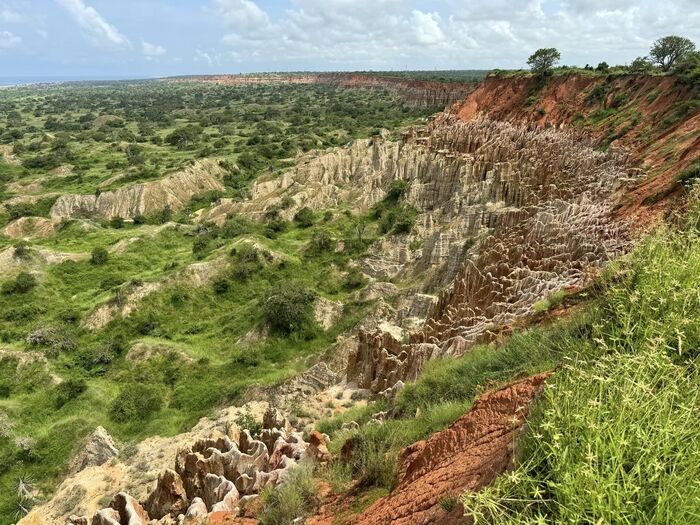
<point>150,38</point>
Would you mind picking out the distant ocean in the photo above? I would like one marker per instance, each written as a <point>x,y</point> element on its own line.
<point>21,81</point>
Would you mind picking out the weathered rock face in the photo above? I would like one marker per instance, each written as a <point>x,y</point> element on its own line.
<point>31,228</point>
<point>174,190</point>
<point>467,456</point>
<point>538,204</point>
<point>169,497</point>
<point>99,448</point>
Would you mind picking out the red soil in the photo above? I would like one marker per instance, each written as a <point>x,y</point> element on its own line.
<point>467,456</point>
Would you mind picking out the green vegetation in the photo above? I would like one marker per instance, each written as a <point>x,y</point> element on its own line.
<point>613,437</point>
<point>669,50</point>
<point>542,60</point>
<point>89,138</point>
<point>295,498</point>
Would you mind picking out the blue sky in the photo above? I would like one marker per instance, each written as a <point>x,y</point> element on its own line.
<point>121,38</point>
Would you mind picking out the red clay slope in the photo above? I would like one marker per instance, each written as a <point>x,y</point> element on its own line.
<point>467,456</point>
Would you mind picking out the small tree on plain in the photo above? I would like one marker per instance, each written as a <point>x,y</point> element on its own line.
<point>542,60</point>
<point>668,50</point>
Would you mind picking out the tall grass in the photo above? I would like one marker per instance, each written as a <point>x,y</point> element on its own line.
<point>615,437</point>
<point>294,498</point>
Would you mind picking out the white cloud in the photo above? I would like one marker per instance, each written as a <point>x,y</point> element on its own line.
<point>151,51</point>
<point>9,40</point>
<point>450,34</point>
<point>209,58</point>
<point>427,28</point>
<point>99,31</point>
<point>9,15</point>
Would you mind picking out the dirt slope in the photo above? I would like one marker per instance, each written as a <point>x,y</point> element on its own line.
<point>467,456</point>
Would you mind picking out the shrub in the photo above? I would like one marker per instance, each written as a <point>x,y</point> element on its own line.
<point>320,242</point>
<point>397,220</point>
<point>304,217</point>
<point>116,223</point>
<point>68,390</point>
<point>22,250</point>
<point>289,308</point>
<point>99,256</point>
<point>135,402</point>
<point>354,279</point>
<point>235,226</point>
<point>24,283</point>
<point>221,285</point>
<point>246,421</point>
<point>287,202</point>
<point>396,190</point>
<point>294,498</point>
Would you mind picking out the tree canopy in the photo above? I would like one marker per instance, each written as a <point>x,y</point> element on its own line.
<point>542,60</point>
<point>668,50</point>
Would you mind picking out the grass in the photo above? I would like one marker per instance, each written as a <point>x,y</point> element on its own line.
<point>200,323</point>
<point>614,437</point>
<point>294,498</point>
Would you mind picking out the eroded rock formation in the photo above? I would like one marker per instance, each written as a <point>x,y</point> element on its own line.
<point>174,191</point>
<point>466,456</point>
<point>217,475</point>
<point>540,203</point>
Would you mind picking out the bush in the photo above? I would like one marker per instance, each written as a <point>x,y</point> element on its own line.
<point>68,390</point>
<point>23,283</point>
<point>221,285</point>
<point>320,242</point>
<point>99,256</point>
<point>354,279</point>
<point>294,498</point>
<point>289,309</point>
<point>399,220</point>
<point>304,217</point>
<point>116,223</point>
<point>135,402</point>
<point>397,189</point>
<point>22,250</point>
<point>235,226</point>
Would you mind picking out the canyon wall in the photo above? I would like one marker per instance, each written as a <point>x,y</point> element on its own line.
<point>174,191</point>
<point>412,92</point>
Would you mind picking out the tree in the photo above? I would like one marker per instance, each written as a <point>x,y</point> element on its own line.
<point>542,60</point>
<point>289,308</point>
<point>640,65</point>
<point>603,67</point>
<point>668,50</point>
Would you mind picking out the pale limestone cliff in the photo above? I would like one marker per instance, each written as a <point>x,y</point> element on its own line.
<point>174,191</point>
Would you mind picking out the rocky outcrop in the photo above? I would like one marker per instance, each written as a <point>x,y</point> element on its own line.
<point>215,474</point>
<point>99,448</point>
<point>467,456</point>
<point>169,497</point>
<point>536,205</point>
<point>31,228</point>
<point>136,473</point>
<point>174,191</point>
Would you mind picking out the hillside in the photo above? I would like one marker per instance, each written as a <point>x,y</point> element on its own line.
<point>377,322</point>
